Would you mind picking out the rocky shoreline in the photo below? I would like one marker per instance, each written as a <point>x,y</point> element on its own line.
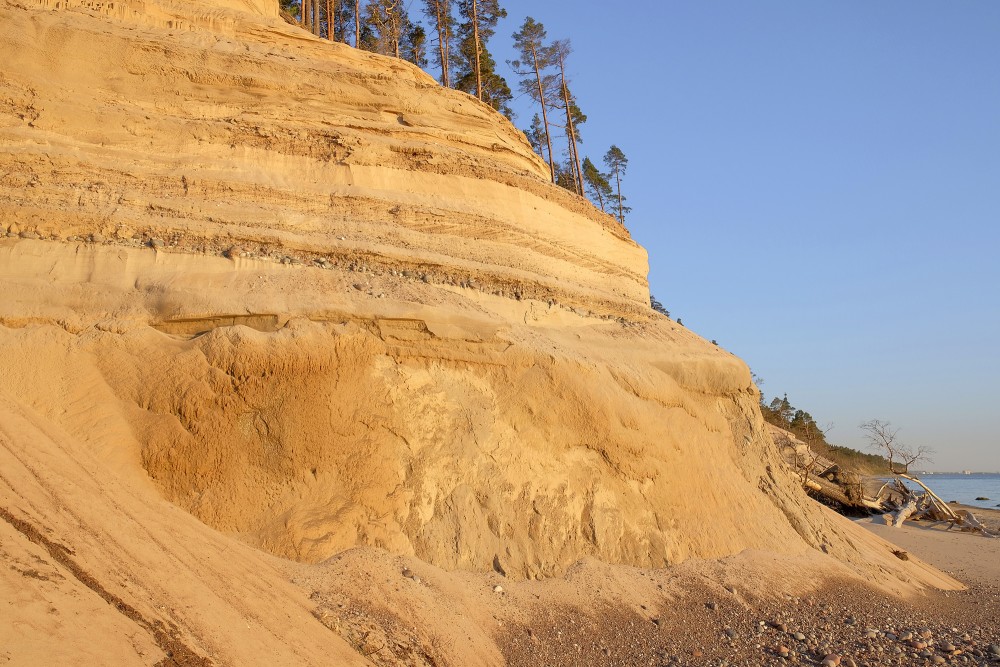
<point>845,624</point>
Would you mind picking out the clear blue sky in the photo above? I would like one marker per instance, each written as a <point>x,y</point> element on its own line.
<point>818,187</point>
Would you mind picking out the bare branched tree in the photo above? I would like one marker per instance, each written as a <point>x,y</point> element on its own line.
<point>883,439</point>
<point>805,463</point>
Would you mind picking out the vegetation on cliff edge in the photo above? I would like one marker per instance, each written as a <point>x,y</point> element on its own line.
<point>456,39</point>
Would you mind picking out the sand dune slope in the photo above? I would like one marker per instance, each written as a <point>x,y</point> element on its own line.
<point>99,570</point>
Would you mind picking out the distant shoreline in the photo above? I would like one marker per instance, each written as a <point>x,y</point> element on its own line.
<point>962,473</point>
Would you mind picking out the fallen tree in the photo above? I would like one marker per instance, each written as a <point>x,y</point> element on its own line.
<point>844,491</point>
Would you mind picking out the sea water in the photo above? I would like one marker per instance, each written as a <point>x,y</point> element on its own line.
<point>964,488</point>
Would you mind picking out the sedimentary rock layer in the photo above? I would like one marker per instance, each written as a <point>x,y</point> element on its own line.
<point>232,130</point>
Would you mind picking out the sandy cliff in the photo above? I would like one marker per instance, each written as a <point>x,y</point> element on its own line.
<point>258,137</point>
<point>315,301</point>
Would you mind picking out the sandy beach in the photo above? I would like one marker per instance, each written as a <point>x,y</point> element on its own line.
<point>968,557</point>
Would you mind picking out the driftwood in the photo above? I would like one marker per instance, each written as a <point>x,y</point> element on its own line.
<point>823,479</point>
<point>903,513</point>
<point>968,521</point>
<point>895,501</point>
<point>939,504</point>
<point>939,510</point>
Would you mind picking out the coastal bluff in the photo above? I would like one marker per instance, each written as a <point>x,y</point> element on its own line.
<point>268,298</point>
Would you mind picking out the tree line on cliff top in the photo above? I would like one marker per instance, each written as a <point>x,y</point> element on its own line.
<point>889,455</point>
<point>455,41</point>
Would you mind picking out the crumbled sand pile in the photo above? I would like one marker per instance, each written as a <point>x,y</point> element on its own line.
<point>316,302</point>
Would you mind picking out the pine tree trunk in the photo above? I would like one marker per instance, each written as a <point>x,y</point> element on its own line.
<point>573,156</point>
<point>440,32</point>
<point>574,159</point>
<point>545,115</point>
<point>303,13</point>
<point>475,35</point>
<point>621,213</point>
<point>316,17</point>
<point>392,16</point>
<point>447,48</point>
<point>357,24</point>
<point>329,20</point>
<point>444,40</point>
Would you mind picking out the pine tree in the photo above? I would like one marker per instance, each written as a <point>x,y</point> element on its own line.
<point>290,8</point>
<point>566,176</point>
<point>598,184</point>
<point>803,422</point>
<point>368,38</point>
<point>561,50</point>
<point>390,24</point>
<point>536,57</point>
<point>342,18</point>
<point>575,118</point>
<point>782,410</point>
<point>476,66</point>
<point>439,12</point>
<point>415,44</point>
<point>536,137</point>
<point>616,163</point>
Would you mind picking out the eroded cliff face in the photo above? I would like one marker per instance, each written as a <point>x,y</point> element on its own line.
<point>322,302</point>
<point>236,131</point>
